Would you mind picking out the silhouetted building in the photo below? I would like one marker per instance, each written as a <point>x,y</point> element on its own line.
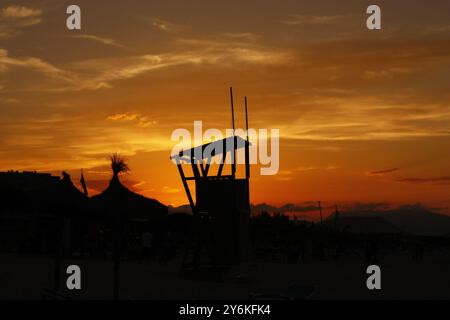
<point>222,204</point>
<point>34,206</point>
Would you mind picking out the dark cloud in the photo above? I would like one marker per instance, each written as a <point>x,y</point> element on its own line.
<point>383,172</point>
<point>445,180</point>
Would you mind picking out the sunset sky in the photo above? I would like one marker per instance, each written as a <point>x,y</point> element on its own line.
<point>364,116</point>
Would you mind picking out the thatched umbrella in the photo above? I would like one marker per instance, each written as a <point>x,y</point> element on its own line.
<point>117,198</point>
<point>121,204</point>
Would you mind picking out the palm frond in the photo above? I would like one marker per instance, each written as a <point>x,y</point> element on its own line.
<point>118,164</point>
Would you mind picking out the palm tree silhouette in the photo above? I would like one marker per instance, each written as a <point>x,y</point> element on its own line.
<point>118,165</point>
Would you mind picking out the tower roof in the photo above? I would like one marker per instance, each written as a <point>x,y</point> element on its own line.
<point>214,148</point>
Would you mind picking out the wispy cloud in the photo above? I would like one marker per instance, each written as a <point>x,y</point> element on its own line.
<point>19,12</point>
<point>98,74</point>
<point>243,36</point>
<point>313,168</point>
<point>103,72</point>
<point>102,40</point>
<point>122,117</point>
<point>165,25</point>
<point>58,142</point>
<point>9,100</point>
<point>364,119</point>
<point>13,18</point>
<point>436,29</point>
<point>36,64</point>
<point>386,73</point>
<point>140,120</point>
<point>298,19</point>
<point>170,190</point>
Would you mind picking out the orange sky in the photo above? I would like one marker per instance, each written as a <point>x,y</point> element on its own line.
<point>363,115</point>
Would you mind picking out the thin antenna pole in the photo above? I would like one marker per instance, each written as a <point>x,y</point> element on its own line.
<point>233,162</point>
<point>336,216</point>
<point>247,151</point>
<point>320,209</point>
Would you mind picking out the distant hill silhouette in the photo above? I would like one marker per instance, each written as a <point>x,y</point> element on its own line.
<point>180,209</point>
<point>362,224</point>
<point>256,209</point>
<point>413,219</point>
<point>299,210</point>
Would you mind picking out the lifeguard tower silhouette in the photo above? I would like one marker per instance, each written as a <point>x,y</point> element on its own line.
<point>222,202</point>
